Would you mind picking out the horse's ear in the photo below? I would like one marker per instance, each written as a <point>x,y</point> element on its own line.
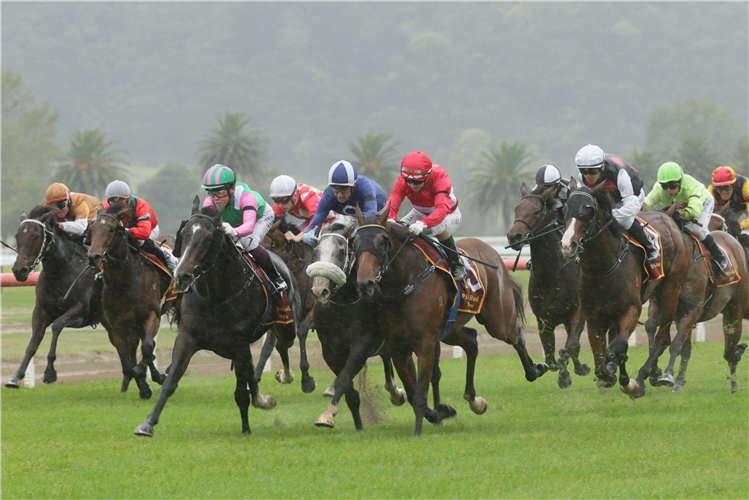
<point>549,193</point>
<point>359,216</point>
<point>100,210</point>
<point>573,184</point>
<point>24,216</point>
<point>195,205</point>
<point>382,219</point>
<point>523,190</point>
<point>599,187</point>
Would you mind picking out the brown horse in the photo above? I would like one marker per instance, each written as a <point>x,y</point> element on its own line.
<point>413,307</point>
<point>552,288</point>
<point>222,311</point>
<point>611,293</point>
<point>131,296</point>
<point>66,295</point>
<point>297,256</point>
<point>701,301</point>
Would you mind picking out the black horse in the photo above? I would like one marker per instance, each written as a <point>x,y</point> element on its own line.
<point>40,240</point>
<point>222,311</point>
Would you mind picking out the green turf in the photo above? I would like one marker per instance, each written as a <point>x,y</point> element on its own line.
<point>535,441</point>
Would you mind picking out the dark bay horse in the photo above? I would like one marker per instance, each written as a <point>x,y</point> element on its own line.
<point>222,311</point>
<point>40,240</point>
<point>346,326</point>
<point>610,292</point>
<point>296,256</point>
<point>131,296</point>
<point>701,301</point>
<point>552,288</point>
<point>413,310</point>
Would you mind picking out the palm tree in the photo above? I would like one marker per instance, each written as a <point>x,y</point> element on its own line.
<point>697,159</point>
<point>235,145</point>
<point>374,159</point>
<point>496,181</point>
<point>90,164</point>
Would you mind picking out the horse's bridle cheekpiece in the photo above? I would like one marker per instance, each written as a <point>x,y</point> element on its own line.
<point>45,247</point>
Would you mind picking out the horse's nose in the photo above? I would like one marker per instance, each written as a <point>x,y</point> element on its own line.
<point>365,287</point>
<point>569,249</point>
<point>21,273</point>
<point>94,260</point>
<point>513,238</point>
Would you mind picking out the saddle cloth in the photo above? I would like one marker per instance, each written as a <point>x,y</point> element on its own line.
<point>727,277</point>
<point>653,270</point>
<point>169,292</point>
<point>275,311</point>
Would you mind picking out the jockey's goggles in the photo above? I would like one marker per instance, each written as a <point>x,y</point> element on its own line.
<point>218,193</point>
<point>414,174</point>
<point>283,200</point>
<point>341,189</point>
<point>589,170</point>
<point>727,187</point>
<point>670,184</point>
<point>114,199</point>
<point>61,204</point>
<point>415,182</point>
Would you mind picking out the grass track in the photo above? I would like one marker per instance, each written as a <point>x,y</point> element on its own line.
<point>535,441</point>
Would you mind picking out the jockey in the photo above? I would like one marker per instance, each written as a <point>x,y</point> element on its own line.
<point>435,207</point>
<point>346,190</point>
<point>549,176</point>
<point>74,211</point>
<point>140,221</point>
<point>625,185</point>
<point>694,204</point>
<point>728,187</point>
<point>245,217</point>
<point>295,199</point>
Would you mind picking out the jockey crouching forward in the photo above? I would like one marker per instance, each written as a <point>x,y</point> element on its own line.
<point>295,199</point>
<point>730,188</point>
<point>625,185</point>
<point>245,217</point>
<point>141,221</point>
<point>548,176</point>
<point>693,202</point>
<point>435,211</point>
<point>73,211</point>
<point>346,190</point>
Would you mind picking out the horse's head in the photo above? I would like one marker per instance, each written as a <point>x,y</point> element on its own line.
<point>107,232</point>
<point>34,237</point>
<point>530,215</point>
<point>372,245</point>
<point>332,260</point>
<point>580,215</point>
<point>199,242</point>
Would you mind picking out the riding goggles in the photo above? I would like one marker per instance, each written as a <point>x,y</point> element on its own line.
<point>670,184</point>
<point>415,182</point>
<point>411,173</point>
<point>218,193</point>
<point>727,187</point>
<point>341,189</point>
<point>590,170</point>
<point>61,204</point>
<point>282,201</point>
<point>114,199</point>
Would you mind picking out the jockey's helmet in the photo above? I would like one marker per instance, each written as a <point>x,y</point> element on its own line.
<point>282,186</point>
<point>547,175</point>
<point>342,173</point>
<point>416,166</point>
<point>590,156</point>
<point>724,176</point>
<point>669,172</point>
<point>219,177</point>
<point>117,189</point>
<point>58,193</point>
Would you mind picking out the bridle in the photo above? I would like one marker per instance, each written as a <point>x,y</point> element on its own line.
<point>119,237</point>
<point>532,235</point>
<point>348,263</point>
<point>45,247</point>
<point>371,246</point>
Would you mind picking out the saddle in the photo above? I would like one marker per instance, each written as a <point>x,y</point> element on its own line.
<point>652,271</point>
<point>727,277</point>
<point>275,311</point>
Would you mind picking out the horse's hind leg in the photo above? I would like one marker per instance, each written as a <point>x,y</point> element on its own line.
<point>397,395</point>
<point>74,313</point>
<point>148,348</point>
<point>651,325</point>
<point>285,375</point>
<point>548,341</point>
<point>265,352</point>
<point>444,410</point>
<point>344,384</point>
<point>243,371</point>
<point>39,324</point>
<point>683,335</point>
<point>732,328</point>
<point>467,339</point>
<point>686,354</point>
<point>308,382</point>
<point>572,346</point>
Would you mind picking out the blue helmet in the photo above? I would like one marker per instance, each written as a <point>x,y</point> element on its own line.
<point>342,173</point>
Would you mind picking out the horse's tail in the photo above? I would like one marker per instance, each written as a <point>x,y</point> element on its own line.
<point>517,292</point>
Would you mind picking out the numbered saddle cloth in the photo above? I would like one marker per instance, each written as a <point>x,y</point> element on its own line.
<point>653,271</point>
<point>727,277</point>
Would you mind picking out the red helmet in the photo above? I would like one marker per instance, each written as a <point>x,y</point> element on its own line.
<point>416,165</point>
<point>724,176</point>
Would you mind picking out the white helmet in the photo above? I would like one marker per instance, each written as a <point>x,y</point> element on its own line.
<point>590,157</point>
<point>282,186</point>
<point>117,188</point>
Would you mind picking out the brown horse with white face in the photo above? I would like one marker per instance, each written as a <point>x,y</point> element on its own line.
<point>611,294</point>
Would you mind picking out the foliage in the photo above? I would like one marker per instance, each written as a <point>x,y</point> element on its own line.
<point>374,159</point>
<point>697,159</point>
<point>170,193</point>
<point>234,144</point>
<point>494,184</point>
<point>647,163</point>
<point>27,150</point>
<point>91,163</point>
<point>742,156</point>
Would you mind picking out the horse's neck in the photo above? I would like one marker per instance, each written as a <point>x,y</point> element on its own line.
<point>546,253</point>
<point>404,268</point>
<point>122,264</point>
<point>59,253</point>
<point>603,250</point>
<point>225,277</point>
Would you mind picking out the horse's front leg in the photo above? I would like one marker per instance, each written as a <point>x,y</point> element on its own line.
<point>243,372</point>
<point>148,347</point>
<point>308,382</point>
<point>467,339</point>
<point>733,351</point>
<point>268,344</point>
<point>397,395</point>
<point>285,375</point>
<point>39,323</point>
<point>597,339</point>
<point>619,347</point>
<point>344,385</point>
<point>651,325</point>
<point>572,346</point>
<point>74,316</point>
<point>548,341</point>
<point>426,356</point>
<point>683,334</point>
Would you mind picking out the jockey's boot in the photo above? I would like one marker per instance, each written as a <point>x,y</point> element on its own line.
<point>459,272</point>
<point>273,275</point>
<point>638,233</point>
<point>718,256</point>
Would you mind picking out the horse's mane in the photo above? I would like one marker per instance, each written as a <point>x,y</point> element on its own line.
<point>606,205</point>
<point>285,225</point>
<point>399,231</point>
<point>40,210</point>
<point>210,211</point>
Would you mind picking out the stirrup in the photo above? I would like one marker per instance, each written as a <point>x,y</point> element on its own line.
<point>721,263</point>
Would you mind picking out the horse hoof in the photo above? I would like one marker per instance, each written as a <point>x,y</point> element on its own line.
<point>445,411</point>
<point>49,378</point>
<point>144,429</point>
<point>552,364</point>
<point>264,402</point>
<point>285,377</point>
<point>400,399</point>
<point>632,389</point>
<point>605,384</point>
<point>582,370</point>
<point>308,385</point>
<point>13,383</point>
<point>564,379</point>
<point>146,395</point>
<point>325,421</point>
<point>677,388</point>
<point>329,392</point>
<point>666,380</point>
<point>478,405</point>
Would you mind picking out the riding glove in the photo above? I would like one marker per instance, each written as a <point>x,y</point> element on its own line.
<point>310,239</point>
<point>229,230</point>
<point>417,227</point>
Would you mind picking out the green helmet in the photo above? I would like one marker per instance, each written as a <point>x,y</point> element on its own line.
<point>218,176</point>
<point>670,171</point>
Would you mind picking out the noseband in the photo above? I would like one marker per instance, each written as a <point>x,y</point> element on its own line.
<point>119,237</point>
<point>348,263</point>
<point>209,260</point>
<point>532,235</point>
<point>45,247</point>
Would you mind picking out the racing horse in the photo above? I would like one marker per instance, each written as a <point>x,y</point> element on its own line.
<point>552,288</point>
<point>413,307</point>
<point>611,288</point>
<point>296,256</point>
<point>222,312</point>
<point>346,327</point>
<point>131,296</point>
<point>66,295</point>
